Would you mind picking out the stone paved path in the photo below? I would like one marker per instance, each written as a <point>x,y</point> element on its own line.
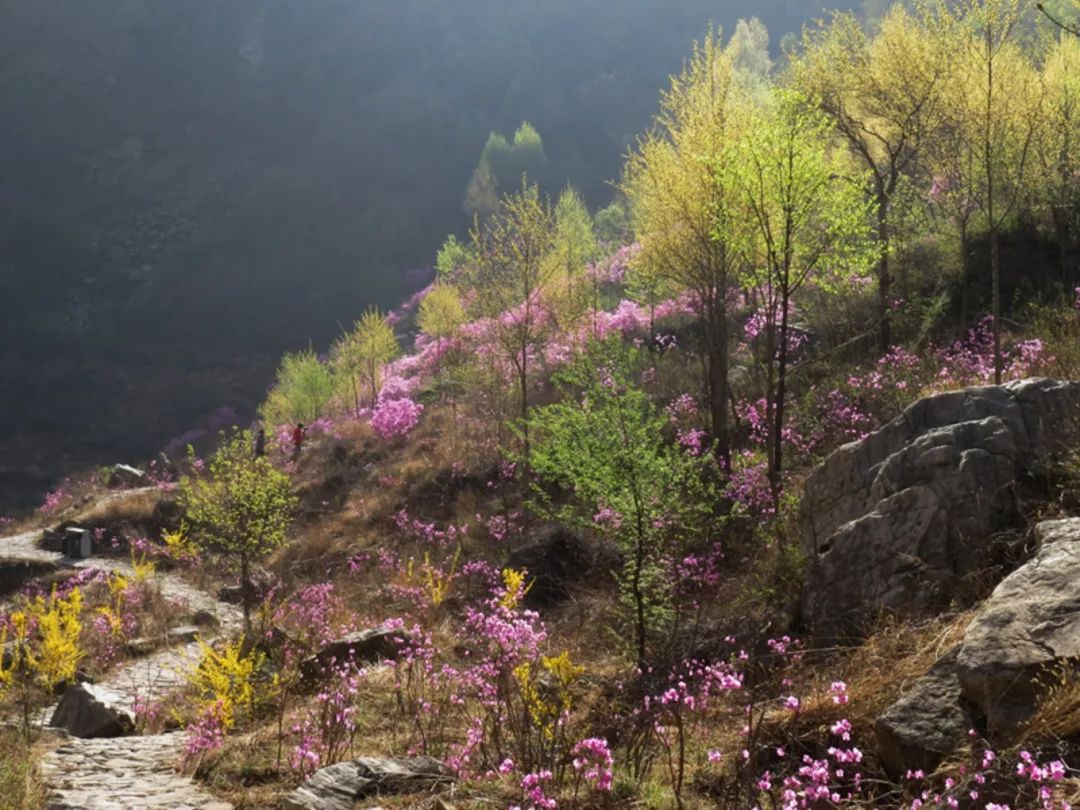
<point>128,773</point>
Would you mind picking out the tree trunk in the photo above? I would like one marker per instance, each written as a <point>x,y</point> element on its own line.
<point>523,380</point>
<point>1061,230</point>
<point>245,594</point>
<point>718,382</point>
<point>883,274</point>
<point>965,279</point>
<point>639,596</point>
<point>995,272</point>
<point>781,393</point>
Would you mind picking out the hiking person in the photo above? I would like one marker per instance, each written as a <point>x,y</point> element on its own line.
<point>260,443</point>
<point>298,440</point>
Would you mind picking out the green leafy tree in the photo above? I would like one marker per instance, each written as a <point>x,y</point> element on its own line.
<point>529,157</point>
<point>809,221</point>
<point>953,163</point>
<point>242,507</point>
<point>502,164</point>
<point>440,317</point>
<point>676,185</point>
<point>362,353</point>
<point>882,94</point>
<point>749,52</point>
<point>604,444</point>
<point>452,257</point>
<point>509,281</point>
<point>1057,145</point>
<point>303,390</point>
<point>1001,107</point>
<point>613,225</point>
<point>441,312</point>
<point>482,193</point>
<point>574,246</point>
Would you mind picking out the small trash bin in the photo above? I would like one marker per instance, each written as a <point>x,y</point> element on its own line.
<point>77,543</point>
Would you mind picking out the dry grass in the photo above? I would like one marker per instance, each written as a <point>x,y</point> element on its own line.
<point>1058,714</point>
<point>135,507</point>
<point>877,673</point>
<point>20,784</point>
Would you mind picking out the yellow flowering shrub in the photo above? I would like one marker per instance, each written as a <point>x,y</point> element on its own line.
<point>225,681</point>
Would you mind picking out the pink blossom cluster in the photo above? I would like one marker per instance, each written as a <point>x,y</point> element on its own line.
<point>503,527</point>
<point>613,269</point>
<point>313,617</point>
<point>532,785</point>
<point>54,500</point>
<point>326,735</point>
<point>395,418</point>
<point>205,734</point>
<point>429,533</point>
<point>594,762</point>
<point>748,485</point>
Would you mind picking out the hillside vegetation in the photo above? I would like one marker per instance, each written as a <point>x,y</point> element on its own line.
<point>561,485</point>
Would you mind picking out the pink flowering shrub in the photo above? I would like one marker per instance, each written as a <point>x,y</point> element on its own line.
<point>326,734</point>
<point>55,500</point>
<point>206,733</point>
<point>311,618</point>
<point>593,763</point>
<point>395,418</point>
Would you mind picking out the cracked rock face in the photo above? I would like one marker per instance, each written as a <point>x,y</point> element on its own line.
<point>1012,652</point>
<point>926,724</point>
<point>893,522</point>
<point>1025,633</point>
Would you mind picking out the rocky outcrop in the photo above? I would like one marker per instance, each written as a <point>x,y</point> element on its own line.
<point>894,521</point>
<point>90,711</point>
<point>1026,632</point>
<point>925,725</point>
<point>555,558</point>
<point>1012,652</point>
<point>339,787</point>
<point>363,647</point>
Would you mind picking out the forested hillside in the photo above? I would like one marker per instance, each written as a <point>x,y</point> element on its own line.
<point>756,485</point>
<point>230,179</point>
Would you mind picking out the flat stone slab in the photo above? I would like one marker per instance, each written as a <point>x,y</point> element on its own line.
<point>363,647</point>
<point>340,786</point>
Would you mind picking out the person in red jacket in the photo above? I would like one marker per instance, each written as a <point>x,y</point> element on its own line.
<point>298,440</point>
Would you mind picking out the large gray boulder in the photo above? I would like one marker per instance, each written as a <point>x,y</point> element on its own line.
<point>926,724</point>
<point>89,711</point>
<point>893,522</point>
<point>1025,633</point>
<point>362,647</point>
<point>339,787</point>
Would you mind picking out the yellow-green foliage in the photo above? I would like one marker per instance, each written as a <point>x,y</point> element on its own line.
<point>361,354</point>
<point>438,582</point>
<point>20,788</point>
<point>303,390</point>
<point>441,312</point>
<point>46,636</point>
<point>6,673</point>
<point>546,708</point>
<point>225,681</point>
<point>179,546</point>
<point>117,584</point>
<point>143,567</point>
<point>514,587</point>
